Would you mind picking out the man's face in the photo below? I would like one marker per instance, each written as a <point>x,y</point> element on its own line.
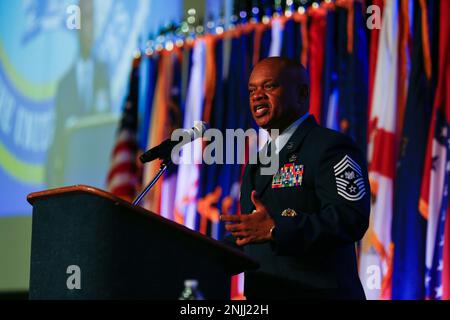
<point>273,96</point>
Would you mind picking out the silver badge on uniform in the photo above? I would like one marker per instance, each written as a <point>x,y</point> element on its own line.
<point>349,179</point>
<point>289,213</point>
<point>290,145</point>
<point>292,158</point>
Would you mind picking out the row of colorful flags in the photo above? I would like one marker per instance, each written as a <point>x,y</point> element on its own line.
<point>386,87</point>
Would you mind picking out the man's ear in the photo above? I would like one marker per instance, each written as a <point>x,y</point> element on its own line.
<point>304,92</point>
<point>303,98</point>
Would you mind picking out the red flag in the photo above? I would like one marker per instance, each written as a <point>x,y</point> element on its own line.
<point>316,43</point>
<point>373,55</point>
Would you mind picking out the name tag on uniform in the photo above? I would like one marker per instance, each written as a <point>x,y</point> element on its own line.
<point>290,175</point>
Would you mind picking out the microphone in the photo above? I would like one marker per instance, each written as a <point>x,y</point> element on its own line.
<point>164,150</point>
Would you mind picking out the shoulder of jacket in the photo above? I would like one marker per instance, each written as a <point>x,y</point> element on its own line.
<point>321,136</point>
<point>324,143</point>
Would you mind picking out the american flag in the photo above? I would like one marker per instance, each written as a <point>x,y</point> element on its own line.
<point>441,168</point>
<point>434,204</point>
<point>123,174</point>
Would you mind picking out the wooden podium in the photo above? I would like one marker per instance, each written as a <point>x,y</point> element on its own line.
<point>122,251</point>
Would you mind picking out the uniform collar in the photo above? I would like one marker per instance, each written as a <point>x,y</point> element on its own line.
<point>286,135</point>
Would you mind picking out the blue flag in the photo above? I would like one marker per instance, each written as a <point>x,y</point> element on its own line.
<point>353,77</point>
<point>292,40</point>
<point>149,70</point>
<point>409,226</point>
<point>329,87</point>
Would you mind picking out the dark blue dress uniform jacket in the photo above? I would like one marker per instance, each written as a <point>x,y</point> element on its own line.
<point>313,254</point>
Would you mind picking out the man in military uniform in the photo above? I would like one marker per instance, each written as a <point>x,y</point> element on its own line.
<point>300,224</point>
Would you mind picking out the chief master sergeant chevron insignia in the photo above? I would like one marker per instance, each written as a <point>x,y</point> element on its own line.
<point>349,179</point>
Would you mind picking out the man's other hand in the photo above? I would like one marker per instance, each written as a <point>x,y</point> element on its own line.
<point>250,228</point>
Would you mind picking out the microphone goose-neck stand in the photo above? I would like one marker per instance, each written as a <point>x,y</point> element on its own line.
<point>162,168</point>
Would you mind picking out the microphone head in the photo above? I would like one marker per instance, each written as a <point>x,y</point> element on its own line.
<point>199,129</point>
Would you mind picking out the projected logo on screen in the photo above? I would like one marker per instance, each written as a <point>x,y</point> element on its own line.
<point>38,57</point>
<point>25,100</point>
